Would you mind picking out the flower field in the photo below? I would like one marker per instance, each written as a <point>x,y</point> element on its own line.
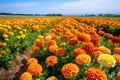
<point>63,48</point>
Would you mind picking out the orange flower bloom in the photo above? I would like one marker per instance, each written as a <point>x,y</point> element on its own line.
<point>26,76</point>
<point>39,42</point>
<point>53,48</point>
<point>70,70</point>
<point>117,58</point>
<point>107,35</point>
<point>51,42</point>
<point>35,49</point>
<point>83,59</point>
<point>31,61</point>
<point>84,37</point>
<point>78,51</point>
<point>117,50</point>
<point>52,78</point>
<point>3,52</point>
<point>35,69</point>
<point>101,32</point>
<point>88,47</point>
<point>95,74</point>
<point>95,40</point>
<point>73,41</point>
<point>2,44</point>
<point>56,38</point>
<point>118,75</point>
<point>51,60</point>
<point>60,52</point>
<point>65,36</point>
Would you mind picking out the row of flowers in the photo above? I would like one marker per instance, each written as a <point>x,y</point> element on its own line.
<point>17,34</point>
<point>75,51</point>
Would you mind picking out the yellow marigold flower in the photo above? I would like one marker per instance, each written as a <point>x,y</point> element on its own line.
<point>24,30</point>
<point>35,69</point>
<point>117,50</point>
<point>11,33</point>
<point>18,37</point>
<point>104,50</point>
<point>51,60</point>
<point>106,60</point>
<point>63,44</point>
<point>95,74</point>
<point>118,75</point>
<point>83,59</point>
<point>23,36</point>
<point>49,37</point>
<point>5,36</point>
<point>52,78</point>
<point>26,76</point>
<point>117,58</point>
<point>53,48</point>
<point>40,37</point>
<point>6,39</point>
<point>20,32</point>
<point>70,70</point>
<point>31,61</point>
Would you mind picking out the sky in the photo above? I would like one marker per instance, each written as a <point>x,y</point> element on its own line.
<point>65,7</point>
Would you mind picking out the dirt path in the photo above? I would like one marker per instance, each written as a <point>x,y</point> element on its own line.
<point>18,66</point>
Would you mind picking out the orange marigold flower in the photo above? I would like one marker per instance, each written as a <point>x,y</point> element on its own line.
<point>51,60</point>
<point>95,74</point>
<point>56,38</point>
<point>51,42</point>
<point>60,52</point>
<point>31,61</point>
<point>118,75</point>
<point>35,49</point>
<point>65,36</point>
<point>95,39</point>
<point>52,78</point>
<point>53,48</point>
<point>117,50</point>
<point>83,59</point>
<point>107,35</point>
<point>88,47</point>
<point>78,51</point>
<point>39,42</point>
<point>3,52</point>
<point>73,41</point>
<point>101,32</point>
<point>84,37</point>
<point>35,69</point>
<point>70,70</point>
<point>117,58</point>
<point>2,44</point>
<point>26,76</point>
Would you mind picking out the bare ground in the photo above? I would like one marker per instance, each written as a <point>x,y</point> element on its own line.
<point>17,67</point>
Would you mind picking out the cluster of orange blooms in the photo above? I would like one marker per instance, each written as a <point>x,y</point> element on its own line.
<point>83,41</point>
